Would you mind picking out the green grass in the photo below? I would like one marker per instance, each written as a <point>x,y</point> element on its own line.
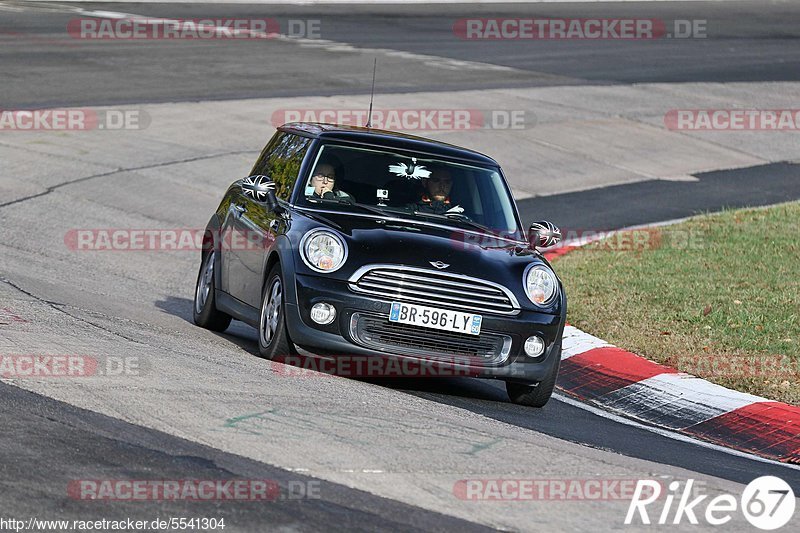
<point>717,296</point>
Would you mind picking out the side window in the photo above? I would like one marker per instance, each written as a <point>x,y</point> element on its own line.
<point>281,160</point>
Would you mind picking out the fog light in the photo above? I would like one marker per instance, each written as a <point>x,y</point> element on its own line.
<point>534,346</point>
<point>323,313</point>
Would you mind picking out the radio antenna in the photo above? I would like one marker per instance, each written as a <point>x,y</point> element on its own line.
<point>372,94</point>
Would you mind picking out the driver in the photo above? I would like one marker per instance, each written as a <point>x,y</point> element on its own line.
<point>323,179</point>
<point>436,196</point>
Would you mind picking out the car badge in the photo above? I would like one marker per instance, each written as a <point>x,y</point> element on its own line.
<point>439,264</point>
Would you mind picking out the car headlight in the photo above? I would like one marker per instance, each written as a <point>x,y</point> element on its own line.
<point>541,285</point>
<point>323,251</point>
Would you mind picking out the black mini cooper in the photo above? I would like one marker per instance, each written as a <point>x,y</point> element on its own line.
<point>368,243</point>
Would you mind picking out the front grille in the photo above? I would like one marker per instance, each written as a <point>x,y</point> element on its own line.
<point>376,332</point>
<point>434,288</point>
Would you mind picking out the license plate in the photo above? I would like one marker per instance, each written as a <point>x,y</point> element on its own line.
<point>430,317</point>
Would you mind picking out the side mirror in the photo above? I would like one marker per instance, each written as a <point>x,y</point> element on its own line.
<point>543,234</point>
<point>261,189</point>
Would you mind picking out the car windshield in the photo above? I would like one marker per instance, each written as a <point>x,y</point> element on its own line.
<point>405,185</point>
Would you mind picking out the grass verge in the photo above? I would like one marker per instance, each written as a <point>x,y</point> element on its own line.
<point>717,296</point>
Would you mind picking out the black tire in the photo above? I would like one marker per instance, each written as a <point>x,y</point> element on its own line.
<point>534,395</point>
<point>274,341</point>
<point>204,308</point>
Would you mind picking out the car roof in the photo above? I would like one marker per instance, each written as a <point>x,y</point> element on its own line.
<point>393,139</point>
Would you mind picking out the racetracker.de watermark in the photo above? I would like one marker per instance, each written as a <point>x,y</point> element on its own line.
<point>143,490</point>
<point>524,489</point>
<point>15,366</point>
<point>9,316</point>
<point>774,367</point>
<point>598,240</point>
<point>145,28</point>
<point>577,29</point>
<point>164,240</point>
<point>733,119</point>
<point>375,366</point>
<point>73,119</point>
<point>412,119</point>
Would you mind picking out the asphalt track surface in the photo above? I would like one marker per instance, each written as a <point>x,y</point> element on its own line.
<point>46,443</point>
<point>67,442</point>
<point>643,201</point>
<point>745,41</point>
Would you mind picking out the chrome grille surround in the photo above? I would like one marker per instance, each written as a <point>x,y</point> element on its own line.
<point>434,288</point>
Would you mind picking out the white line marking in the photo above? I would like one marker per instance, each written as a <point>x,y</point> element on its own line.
<point>666,433</point>
<point>324,44</point>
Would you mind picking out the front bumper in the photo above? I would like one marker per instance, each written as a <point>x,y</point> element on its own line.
<point>338,337</point>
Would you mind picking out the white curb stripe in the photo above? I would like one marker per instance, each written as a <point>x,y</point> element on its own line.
<point>576,342</point>
<point>676,401</point>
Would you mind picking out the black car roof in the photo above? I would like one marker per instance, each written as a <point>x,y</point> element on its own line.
<point>392,139</point>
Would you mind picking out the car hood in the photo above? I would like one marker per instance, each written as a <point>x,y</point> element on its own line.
<point>371,240</point>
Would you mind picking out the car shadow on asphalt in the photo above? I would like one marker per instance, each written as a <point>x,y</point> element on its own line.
<point>440,389</point>
<point>238,333</point>
<point>176,306</point>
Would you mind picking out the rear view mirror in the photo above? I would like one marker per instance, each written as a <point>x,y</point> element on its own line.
<point>543,234</point>
<point>261,189</point>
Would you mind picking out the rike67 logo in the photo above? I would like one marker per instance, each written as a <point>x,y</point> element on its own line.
<point>767,503</point>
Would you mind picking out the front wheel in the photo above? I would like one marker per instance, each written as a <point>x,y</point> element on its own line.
<point>205,312</point>
<point>533,395</point>
<point>273,338</point>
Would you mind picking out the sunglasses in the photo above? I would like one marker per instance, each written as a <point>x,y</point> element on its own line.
<point>324,178</point>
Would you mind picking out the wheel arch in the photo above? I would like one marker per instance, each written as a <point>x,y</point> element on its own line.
<point>281,254</point>
<point>211,242</point>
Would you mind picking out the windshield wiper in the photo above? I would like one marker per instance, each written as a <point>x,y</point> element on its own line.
<point>458,217</point>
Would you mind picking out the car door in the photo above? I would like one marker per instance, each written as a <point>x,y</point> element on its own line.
<point>253,224</point>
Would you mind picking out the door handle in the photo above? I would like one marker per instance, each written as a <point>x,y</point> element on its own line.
<point>274,225</point>
<point>238,209</point>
